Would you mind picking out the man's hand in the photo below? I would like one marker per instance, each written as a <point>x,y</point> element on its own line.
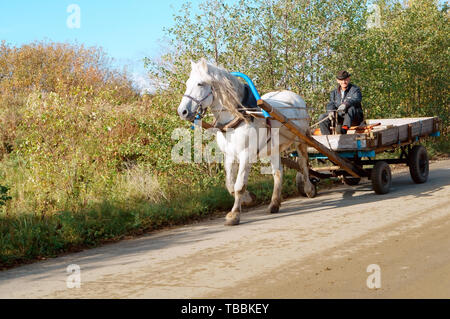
<point>342,108</point>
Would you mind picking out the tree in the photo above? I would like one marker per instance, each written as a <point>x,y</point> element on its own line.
<point>401,65</point>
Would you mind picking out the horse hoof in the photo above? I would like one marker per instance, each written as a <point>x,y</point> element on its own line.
<point>313,192</point>
<point>273,209</point>
<point>232,219</point>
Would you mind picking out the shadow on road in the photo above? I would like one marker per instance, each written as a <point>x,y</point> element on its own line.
<point>402,185</point>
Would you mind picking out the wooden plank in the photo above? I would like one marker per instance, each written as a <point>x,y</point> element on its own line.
<point>326,169</point>
<point>350,168</point>
<point>406,130</point>
<point>421,126</point>
<point>397,122</point>
<point>390,136</point>
<point>340,143</point>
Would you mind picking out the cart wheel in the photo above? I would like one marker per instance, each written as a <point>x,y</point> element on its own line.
<point>351,181</point>
<point>381,178</point>
<point>314,194</point>
<point>418,164</point>
<point>301,185</point>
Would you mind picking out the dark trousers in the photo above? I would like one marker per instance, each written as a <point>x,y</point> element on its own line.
<point>353,117</point>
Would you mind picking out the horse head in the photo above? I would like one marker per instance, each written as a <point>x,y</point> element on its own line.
<point>199,93</point>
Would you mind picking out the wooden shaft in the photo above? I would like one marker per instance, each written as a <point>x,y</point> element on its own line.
<point>353,170</point>
<point>205,125</point>
<point>294,165</point>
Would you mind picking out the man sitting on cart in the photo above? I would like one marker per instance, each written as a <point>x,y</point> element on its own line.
<point>344,107</point>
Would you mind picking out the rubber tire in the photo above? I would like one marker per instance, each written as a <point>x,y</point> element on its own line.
<point>351,181</point>
<point>381,177</point>
<point>315,191</point>
<point>301,186</point>
<point>418,163</point>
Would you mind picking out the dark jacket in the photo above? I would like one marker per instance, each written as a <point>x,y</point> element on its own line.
<point>352,97</point>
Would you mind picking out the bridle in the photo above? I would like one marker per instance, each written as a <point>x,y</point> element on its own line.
<point>200,110</point>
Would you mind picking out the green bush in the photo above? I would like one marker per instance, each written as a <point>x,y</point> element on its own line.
<point>4,195</point>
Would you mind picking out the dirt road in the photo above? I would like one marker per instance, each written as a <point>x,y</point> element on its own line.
<point>314,248</point>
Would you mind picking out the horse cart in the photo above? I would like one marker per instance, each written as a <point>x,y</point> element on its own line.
<point>354,154</point>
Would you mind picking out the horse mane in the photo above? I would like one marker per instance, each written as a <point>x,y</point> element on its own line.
<point>224,85</point>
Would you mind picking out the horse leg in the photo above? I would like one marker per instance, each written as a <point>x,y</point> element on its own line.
<point>309,188</point>
<point>231,170</point>
<point>233,217</point>
<point>277,172</point>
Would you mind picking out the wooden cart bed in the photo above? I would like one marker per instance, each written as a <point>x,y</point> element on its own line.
<point>388,133</point>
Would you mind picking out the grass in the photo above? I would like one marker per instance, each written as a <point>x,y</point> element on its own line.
<point>26,237</point>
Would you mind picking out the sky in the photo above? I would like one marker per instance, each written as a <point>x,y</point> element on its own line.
<point>128,30</point>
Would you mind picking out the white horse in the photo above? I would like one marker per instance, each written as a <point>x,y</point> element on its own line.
<point>212,87</point>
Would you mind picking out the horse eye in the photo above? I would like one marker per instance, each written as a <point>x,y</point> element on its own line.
<point>201,84</point>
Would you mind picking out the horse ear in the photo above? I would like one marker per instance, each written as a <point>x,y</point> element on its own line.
<point>203,64</point>
<point>193,65</point>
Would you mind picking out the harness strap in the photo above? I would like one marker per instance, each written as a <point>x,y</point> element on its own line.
<point>225,127</point>
<point>269,130</point>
